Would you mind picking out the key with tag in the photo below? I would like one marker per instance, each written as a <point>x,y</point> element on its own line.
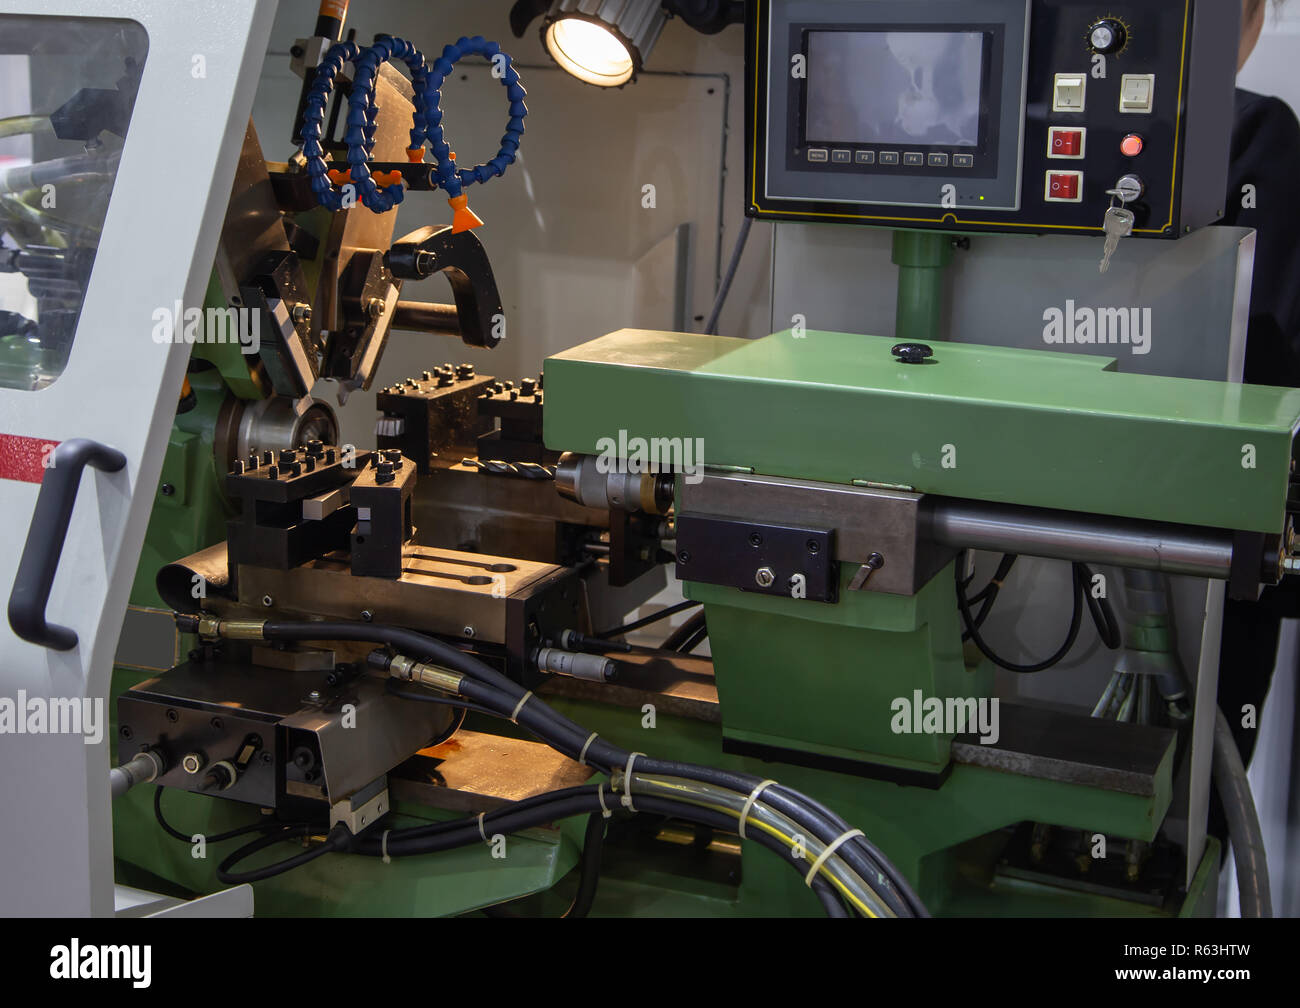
<point>1118,225</point>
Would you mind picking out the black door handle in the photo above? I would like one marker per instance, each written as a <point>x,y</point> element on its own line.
<point>44,545</point>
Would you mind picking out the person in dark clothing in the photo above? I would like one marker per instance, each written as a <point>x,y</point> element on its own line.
<point>1265,165</point>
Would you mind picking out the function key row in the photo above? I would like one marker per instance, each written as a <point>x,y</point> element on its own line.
<point>909,159</point>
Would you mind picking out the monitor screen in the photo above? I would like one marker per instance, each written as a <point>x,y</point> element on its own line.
<point>907,87</point>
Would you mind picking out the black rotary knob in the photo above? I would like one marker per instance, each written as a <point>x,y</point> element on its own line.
<point>913,353</point>
<point>1107,36</point>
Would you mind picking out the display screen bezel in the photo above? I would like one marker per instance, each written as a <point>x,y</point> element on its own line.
<point>985,154</point>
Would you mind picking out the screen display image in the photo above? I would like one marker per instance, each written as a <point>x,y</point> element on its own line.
<point>920,88</point>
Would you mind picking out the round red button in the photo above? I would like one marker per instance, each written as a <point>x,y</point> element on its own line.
<point>1132,145</point>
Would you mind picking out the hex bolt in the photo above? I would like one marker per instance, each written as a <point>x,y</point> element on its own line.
<point>764,577</point>
<point>302,313</point>
<point>367,615</point>
<point>467,631</point>
<point>376,307</point>
<point>268,601</point>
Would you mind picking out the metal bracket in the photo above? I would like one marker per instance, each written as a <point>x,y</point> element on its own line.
<point>289,350</point>
<point>462,258</point>
<point>362,808</point>
<point>783,560</point>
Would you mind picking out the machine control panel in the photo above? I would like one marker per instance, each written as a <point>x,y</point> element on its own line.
<point>990,115</point>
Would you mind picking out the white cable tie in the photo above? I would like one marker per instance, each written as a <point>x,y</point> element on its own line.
<point>749,804</point>
<point>627,782</point>
<point>600,794</point>
<point>520,705</point>
<point>383,847</point>
<point>830,849</point>
<point>481,831</point>
<point>582,756</point>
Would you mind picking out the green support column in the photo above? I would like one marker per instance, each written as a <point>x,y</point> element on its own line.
<point>921,257</point>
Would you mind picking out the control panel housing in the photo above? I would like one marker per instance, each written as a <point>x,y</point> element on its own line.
<point>990,115</point>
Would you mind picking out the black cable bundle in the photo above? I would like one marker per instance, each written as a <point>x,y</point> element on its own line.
<point>485,689</point>
<point>1100,609</point>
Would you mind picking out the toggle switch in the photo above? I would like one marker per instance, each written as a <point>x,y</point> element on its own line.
<point>1064,187</point>
<point>1063,142</point>
<point>1137,93</point>
<point>1069,93</point>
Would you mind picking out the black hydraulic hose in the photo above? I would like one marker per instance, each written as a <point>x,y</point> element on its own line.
<point>189,838</point>
<point>1102,612</point>
<point>593,844</point>
<point>697,638</point>
<point>721,821</point>
<point>1243,823</point>
<point>997,580</point>
<point>817,819</point>
<point>489,689</point>
<point>645,621</point>
<point>548,725</point>
<point>826,826</point>
<point>831,902</point>
<point>467,831</point>
<point>336,840</point>
<point>512,819</point>
<point>523,805</point>
<point>393,688</point>
<point>412,644</point>
<point>1076,620</point>
<point>675,640</point>
<point>862,856</point>
<point>989,593</point>
<point>569,738</point>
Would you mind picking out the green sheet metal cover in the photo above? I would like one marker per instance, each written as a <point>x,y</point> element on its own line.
<point>1039,428</point>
